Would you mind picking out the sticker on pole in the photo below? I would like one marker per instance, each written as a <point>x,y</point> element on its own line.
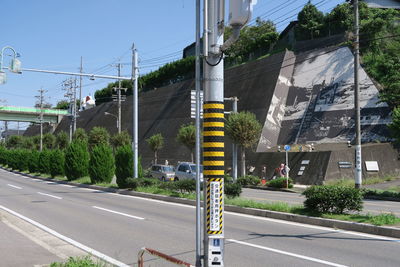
<point>214,207</point>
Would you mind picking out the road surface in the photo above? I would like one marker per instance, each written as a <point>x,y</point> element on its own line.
<point>118,226</point>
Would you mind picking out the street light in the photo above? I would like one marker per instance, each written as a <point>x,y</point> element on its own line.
<point>15,65</point>
<point>107,113</point>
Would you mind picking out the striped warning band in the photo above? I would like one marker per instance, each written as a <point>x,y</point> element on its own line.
<point>221,207</point>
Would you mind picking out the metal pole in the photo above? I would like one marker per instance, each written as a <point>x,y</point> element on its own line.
<point>135,110</point>
<point>74,111</point>
<point>80,84</point>
<point>213,133</point>
<point>234,146</point>
<point>119,100</point>
<point>358,168</point>
<point>287,169</point>
<point>197,122</point>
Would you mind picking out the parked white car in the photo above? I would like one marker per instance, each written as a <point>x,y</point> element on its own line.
<point>187,170</point>
<point>163,172</point>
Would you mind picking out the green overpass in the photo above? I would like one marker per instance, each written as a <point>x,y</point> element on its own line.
<point>25,114</point>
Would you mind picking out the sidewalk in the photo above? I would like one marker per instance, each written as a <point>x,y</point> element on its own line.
<point>22,244</point>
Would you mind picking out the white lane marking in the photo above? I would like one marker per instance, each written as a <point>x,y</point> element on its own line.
<point>67,239</point>
<point>66,185</point>
<point>51,183</point>
<point>120,213</point>
<point>14,186</point>
<point>37,180</point>
<point>314,227</point>
<point>44,194</point>
<point>89,189</point>
<point>287,253</point>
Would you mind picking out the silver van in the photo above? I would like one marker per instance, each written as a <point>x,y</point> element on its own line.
<point>162,172</point>
<point>187,170</point>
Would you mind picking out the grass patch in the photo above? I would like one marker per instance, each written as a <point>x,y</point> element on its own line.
<point>381,219</point>
<point>368,181</point>
<point>274,206</point>
<point>164,192</point>
<point>79,262</point>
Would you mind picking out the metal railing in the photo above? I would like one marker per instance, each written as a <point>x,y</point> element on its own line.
<point>162,256</point>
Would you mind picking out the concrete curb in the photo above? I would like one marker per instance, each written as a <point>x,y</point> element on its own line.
<point>343,225</point>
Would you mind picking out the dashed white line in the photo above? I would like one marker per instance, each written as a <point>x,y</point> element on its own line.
<point>66,185</point>
<point>120,213</point>
<point>44,194</point>
<point>67,239</point>
<point>287,253</point>
<point>14,186</point>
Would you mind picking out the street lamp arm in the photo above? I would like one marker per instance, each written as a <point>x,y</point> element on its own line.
<point>2,53</point>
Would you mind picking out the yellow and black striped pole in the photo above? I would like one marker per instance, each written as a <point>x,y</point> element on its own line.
<point>213,162</point>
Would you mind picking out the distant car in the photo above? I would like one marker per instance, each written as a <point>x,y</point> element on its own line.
<point>187,170</point>
<point>163,172</point>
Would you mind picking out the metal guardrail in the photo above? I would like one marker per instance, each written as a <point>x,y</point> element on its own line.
<point>161,256</point>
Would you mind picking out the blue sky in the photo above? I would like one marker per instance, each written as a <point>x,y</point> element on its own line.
<point>54,34</point>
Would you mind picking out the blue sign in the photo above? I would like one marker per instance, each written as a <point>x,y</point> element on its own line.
<point>216,242</point>
<point>287,148</point>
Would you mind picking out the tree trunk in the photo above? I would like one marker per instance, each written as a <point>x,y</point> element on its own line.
<point>155,157</point>
<point>243,159</point>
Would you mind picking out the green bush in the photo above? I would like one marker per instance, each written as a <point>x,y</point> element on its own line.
<point>23,159</point>
<point>102,165</point>
<point>185,186</point>
<point>333,199</point>
<point>57,163</point>
<point>33,165</point>
<point>123,165</point>
<point>249,180</point>
<point>367,192</point>
<point>3,155</point>
<point>80,135</point>
<point>44,161</point>
<point>280,183</point>
<point>131,183</point>
<point>120,139</point>
<point>147,182</point>
<point>98,136</point>
<point>232,190</point>
<point>62,140</point>
<point>76,160</point>
<point>49,141</point>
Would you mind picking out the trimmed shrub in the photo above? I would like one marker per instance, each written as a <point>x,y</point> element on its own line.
<point>147,182</point>
<point>102,165</point>
<point>44,161</point>
<point>80,135</point>
<point>33,164</point>
<point>76,160</point>
<point>49,141</point>
<point>280,183</point>
<point>14,141</point>
<point>368,192</point>
<point>120,139</point>
<point>249,180</point>
<point>57,163</point>
<point>232,190</point>
<point>333,199</point>
<point>3,155</point>
<point>185,186</point>
<point>98,136</point>
<point>22,159</point>
<point>62,140</point>
<point>131,183</point>
<point>123,165</point>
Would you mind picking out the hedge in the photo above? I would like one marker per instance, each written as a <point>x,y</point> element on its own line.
<point>76,160</point>
<point>102,166</point>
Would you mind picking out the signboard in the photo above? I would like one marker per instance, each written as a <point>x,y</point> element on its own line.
<point>305,162</point>
<point>215,206</point>
<point>287,148</point>
<point>193,104</point>
<point>371,166</point>
<point>345,164</point>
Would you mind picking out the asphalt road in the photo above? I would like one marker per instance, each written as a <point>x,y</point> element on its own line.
<point>119,226</point>
<point>370,206</point>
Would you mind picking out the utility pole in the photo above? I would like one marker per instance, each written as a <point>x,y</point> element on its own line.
<point>135,110</point>
<point>71,94</point>
<point>119,98</point>
<point>358,159</point>
<point>40,98</point>
<point>213,132</point>
<point>74,99</point>
<point>197,122</point>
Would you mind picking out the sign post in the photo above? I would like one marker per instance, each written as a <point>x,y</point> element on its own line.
<point>287,149</point>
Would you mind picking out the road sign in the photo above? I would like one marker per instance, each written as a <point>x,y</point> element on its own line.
<point>193,104</point>
<point>287,148</point>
